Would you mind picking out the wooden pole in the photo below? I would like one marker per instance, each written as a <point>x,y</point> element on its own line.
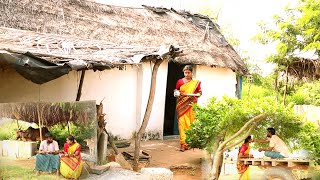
<point>80,85</point>
<point>39,119</point>
<point>78,93</point>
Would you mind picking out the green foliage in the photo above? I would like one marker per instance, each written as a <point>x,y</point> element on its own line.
<point>308,94</point>
<point>295,31</point>
<point>259,88</point>
<point>80,132</point>
<point>310,140</point>
<point>229,115</point>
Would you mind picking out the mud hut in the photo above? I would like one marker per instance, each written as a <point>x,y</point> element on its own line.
<point>51,44</point>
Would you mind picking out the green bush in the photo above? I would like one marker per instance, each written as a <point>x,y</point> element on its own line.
<point>310,140</point>
<point>229,115</point>
<point>60,132</point>
<point>307,93</point>
<point>80,132</point>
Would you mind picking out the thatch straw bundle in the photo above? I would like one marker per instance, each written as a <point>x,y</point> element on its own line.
<point>83,112</point>
<point>305,68</point>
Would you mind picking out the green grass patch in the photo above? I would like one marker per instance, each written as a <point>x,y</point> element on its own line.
<point>10,169</point>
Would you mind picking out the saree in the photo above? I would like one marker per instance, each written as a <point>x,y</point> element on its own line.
<point>184,109</point>
<point>243,169</point>
<point>71,167</point>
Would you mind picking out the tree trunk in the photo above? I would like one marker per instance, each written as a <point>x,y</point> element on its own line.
<point>100,149</point>
<point>217,164</point>
<point>147,114</point>
<point>214,150</point>
<point>286,86</point>
<point>215,147</point>
<point>276,88</point>
<point>100,135</point>
<point>218,157</point>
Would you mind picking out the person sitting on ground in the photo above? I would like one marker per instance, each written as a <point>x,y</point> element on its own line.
<point>244,152</point>
<point>71,161</point>
<point>277,148</point>
<point>48,160</point>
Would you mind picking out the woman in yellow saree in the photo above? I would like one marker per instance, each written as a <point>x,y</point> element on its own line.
<point>244,151</point>
<point>186,86</point>
<point>70,161</point>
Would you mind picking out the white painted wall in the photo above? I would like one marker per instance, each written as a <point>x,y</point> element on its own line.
<point>156,120</point>
<point>125,92</point>
<point>215,82</point>
<point>118,88</point>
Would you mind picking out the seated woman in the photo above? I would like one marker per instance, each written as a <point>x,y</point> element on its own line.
<point>70,161</point>
<point>244,151</point>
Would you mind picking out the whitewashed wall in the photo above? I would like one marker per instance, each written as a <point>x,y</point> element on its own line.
<point>215,82</point>
<point>118,88</point>
<point>124,93</point>
<point>155,125</point>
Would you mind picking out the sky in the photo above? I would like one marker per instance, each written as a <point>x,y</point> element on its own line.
<point>239,17</point>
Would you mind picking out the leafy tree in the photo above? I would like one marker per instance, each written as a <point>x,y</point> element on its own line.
<point>223,124</point>
<point>296,31</point>
<point>80,132</point>
<point>310,140</point>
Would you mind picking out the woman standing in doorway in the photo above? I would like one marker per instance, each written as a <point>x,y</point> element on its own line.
<point>187,90</point>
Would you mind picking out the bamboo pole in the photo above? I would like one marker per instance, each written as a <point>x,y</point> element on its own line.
<point>80,85</point>
<point>39,119</point>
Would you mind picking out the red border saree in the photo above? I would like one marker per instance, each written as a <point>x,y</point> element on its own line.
<point>71,167</point>
<point>184,107</point>
<point>243,169</point>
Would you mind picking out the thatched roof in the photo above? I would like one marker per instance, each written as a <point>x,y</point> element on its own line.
<point>76,29</point>
<point>305,68</point>
<point>83,112</point>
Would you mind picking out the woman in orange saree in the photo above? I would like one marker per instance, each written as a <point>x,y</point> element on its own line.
<point>186,86</point>
<point>70,161</point>
<point>244,151</point>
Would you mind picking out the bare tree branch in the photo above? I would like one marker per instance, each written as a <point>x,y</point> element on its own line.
<point>241,139</point>
<point>255,119</point>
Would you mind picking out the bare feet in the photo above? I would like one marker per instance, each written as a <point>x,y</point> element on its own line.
<point>182,149</point>
<point>58,173</point>
<point>38,173</point>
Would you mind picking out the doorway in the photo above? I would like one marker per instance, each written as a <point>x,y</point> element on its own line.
<point>170,126</point>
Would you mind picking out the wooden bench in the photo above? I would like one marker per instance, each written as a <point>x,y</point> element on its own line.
<point>287,162</point>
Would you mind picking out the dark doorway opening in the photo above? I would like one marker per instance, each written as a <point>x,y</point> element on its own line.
<point>170,126</point>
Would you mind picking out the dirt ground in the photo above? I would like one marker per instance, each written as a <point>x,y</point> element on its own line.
<point>188,165</point>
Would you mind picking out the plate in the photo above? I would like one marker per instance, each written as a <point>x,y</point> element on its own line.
<point>197,95</point>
